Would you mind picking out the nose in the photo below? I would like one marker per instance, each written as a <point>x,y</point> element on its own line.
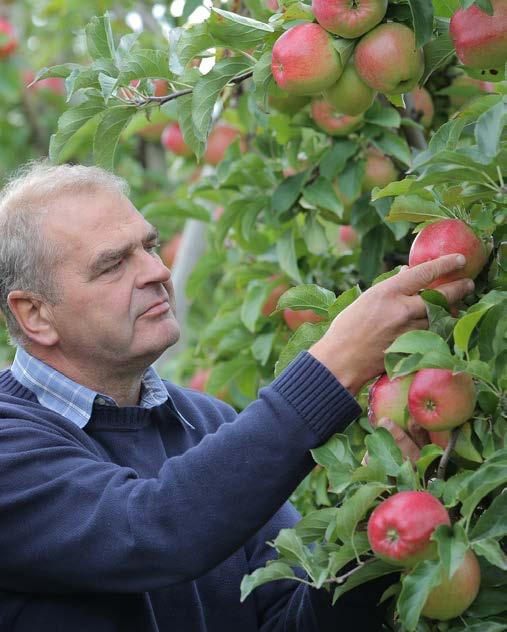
<point>152,270</point>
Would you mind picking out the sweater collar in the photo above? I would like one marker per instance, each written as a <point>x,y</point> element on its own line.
<point>70,399</point>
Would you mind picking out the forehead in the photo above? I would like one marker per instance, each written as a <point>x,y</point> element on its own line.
<point>83,221</point>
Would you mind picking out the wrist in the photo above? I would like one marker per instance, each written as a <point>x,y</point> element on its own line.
<point>339,365</point>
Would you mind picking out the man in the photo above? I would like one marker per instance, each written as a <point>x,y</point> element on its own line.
<point>128,503</point>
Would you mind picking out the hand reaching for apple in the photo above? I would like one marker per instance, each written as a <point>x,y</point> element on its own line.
<point>354,345</point>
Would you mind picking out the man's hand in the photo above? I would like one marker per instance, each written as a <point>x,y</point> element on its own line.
<point>354,345</point>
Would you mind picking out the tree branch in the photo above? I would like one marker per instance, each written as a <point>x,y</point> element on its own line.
<point>442,466</point>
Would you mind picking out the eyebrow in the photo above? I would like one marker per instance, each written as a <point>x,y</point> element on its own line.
<point>113,254</point>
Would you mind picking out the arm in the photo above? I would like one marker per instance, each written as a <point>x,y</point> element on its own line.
<point>72,522</point>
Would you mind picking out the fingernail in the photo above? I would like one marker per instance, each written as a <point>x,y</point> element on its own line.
<point>460,259</point>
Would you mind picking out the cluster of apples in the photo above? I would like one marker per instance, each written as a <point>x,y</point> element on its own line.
<point>436,399</point>
<point>306,61</point>
<point>399,532</point>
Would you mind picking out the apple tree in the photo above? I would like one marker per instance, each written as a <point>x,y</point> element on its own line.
<point>313,143</point>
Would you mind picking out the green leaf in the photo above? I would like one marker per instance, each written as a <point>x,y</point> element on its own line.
<point>184,104</point>
<point>126,46</point>
<point>416,586</point>
<point>262,78</point>
<point>437,53</point>
<point>381,445</point>
<point>419,342</point>
<point>354,509</point>
<point>344,300</point>
<point>286,253</point>
<point>262,347</point>
<point>99,38</point>
<point>491,474</point>
<point>207,90</point>
<point>491,550</point>
<point>414,208</point>
<point>406,479</point>
<point>225,372</point>
<point>493,522</point>
<point>366,573</point>
<point>427,455</point>
<point>108,133</point>
<point>236,31</point>
<point>321,194</point>
<point>255,297</point>
<point>335,158</point>
<point>382,115</point>
<point>304,337</point>
<point>275,571</point>
<point>372,252</point>
<point>422,14</point>
<point>308,296</point>
<point>349,551</point>
<point>288,192</point>
<point>176,207</point>
<point>396,146</point>
<point>398,187</point>
<point>185,44</point>
<point>452,545</point>
<point>290,546</point>
<point>488,130</point>
<point>144,63</point>
<point>313,526</point>
<point>61,70</point>
<point>465,325</point>
<point>71,121</point>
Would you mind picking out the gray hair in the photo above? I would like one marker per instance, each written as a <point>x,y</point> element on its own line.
<point>28,260</point>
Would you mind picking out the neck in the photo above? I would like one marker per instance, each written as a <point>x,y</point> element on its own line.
<point>121,385</point>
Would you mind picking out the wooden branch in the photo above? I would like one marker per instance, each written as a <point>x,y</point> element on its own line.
<point>442,466</point>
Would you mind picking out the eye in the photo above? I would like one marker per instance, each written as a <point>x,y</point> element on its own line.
<point>114,267</point>
<point>152,249</point>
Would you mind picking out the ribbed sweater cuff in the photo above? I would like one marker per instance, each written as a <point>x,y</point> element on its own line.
<point>320,399</point>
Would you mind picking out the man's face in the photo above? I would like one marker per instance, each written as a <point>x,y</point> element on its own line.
<point>118,300</point>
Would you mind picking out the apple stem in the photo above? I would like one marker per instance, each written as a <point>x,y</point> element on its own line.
<point>342,578</point>
<point>442,466</point>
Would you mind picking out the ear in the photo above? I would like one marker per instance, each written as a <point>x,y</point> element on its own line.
<point>34,317</point>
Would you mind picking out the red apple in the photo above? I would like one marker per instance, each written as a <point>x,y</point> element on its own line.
<point>304,60</point>
<point>348,236</point>
<point>172,139</point>
<point>160,87</point>
<point>199,379</point>
<point>273,5</point>
<point>379,170</point>
<point>399,529</point>
<point>387,60</point>
<point>439,399</point>
<point>423,106</point>
<point>332,122</point>
<point>350,95</point>
<point>295,318</point>
<point>8,40</point>
<point>169,250</point>
<point>220,138</point>
<point>440,438</point>
<point>389,398</point>
<point>452,596</point>
<point>480,39</point>
<point>349,19</point>
<point>272,300</point>
<point>445,237</point>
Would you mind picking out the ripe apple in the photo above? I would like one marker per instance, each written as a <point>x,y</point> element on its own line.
<point>387,60</point>
<point>199,379</point>
<point>350,95</point>
<point>172,139</point>
<point>454,595</point>
<point>379,170</point>
<point>273,5</point>
<point>295,318</point>
<point>480,39</point>
<point>304,60</point>
<point>272,300</point>
<point>160,87</point>
<point>333,122</point>
<point>423,105</point>
<point>349,19</point>
<point>8,40</point>
<point>220,138</point>
<point>389,398</point>
<point>440,438</point>
<point>169,250</point>
<point>445,237</point>
<point>399,529</point>
<point>466,88</point>
<point>439,399</point>
<point>347,236</point>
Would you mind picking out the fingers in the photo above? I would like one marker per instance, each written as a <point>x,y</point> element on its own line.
<point>409,448</point>
<point>418,434</point>
<point>418,277</point>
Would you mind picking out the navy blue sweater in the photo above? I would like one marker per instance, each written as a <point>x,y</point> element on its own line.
<point>138,523</point>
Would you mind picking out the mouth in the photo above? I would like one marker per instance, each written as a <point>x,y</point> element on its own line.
<point>161,307</point>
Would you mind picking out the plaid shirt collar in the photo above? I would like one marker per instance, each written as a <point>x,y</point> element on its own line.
<point>72,400</point>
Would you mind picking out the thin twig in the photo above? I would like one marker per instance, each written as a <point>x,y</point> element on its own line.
<point>442,466</point>
<point>342,578</point>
